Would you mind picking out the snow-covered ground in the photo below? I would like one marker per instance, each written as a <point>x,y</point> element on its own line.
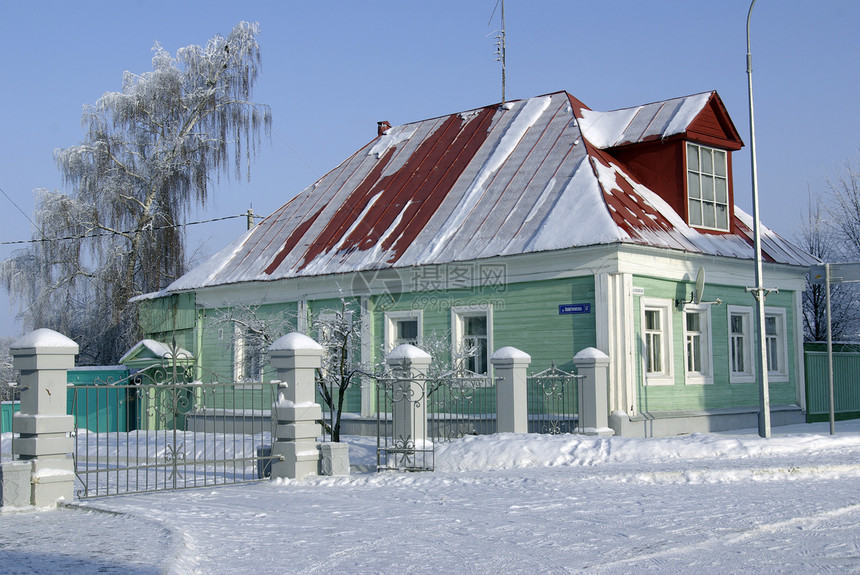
<point>706,503</point>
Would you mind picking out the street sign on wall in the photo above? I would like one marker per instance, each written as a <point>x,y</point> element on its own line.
<point>573,308</point>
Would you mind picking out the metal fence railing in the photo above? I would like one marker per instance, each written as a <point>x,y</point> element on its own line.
<point>413,415</point>
<point>554,401</point>
<point>153,431</point>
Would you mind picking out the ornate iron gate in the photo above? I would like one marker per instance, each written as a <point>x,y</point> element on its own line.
<point>162,429</point>
<point>413,415</point>
<point>554,397</point>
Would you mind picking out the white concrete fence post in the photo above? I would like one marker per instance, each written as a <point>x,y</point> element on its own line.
<point>594,399</point>
<point>44,443</point>
<point>295,358</point>
<point>409,409</point>
<point>512,414</point>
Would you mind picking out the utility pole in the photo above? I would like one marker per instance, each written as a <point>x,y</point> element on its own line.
<point>759,291</point>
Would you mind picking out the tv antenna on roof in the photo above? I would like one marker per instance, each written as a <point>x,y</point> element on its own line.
<point>500,43</point>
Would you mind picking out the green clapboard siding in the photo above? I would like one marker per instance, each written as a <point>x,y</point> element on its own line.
<point>165,314</point>
<point>254,398</point>
<point>216,338</point>
<point>525,316</point>
<point>352,401</point>
<point>721,394</point>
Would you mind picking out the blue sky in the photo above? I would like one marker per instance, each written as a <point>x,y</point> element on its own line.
<point>331,70</point>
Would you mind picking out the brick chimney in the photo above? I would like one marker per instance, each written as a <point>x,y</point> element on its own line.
<point>381,127</point>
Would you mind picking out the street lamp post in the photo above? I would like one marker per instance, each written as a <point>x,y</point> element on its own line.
<point>759,291</point>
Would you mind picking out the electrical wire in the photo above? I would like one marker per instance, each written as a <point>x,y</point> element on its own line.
<point>17,206</point>
<point>112,233</point>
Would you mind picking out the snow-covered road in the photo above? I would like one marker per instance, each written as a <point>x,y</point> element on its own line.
<point>504,504</point>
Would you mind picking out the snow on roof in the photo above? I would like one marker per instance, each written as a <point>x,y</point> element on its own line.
<point>157,348</point>
<point>652,121</point>
<point>495,181</point>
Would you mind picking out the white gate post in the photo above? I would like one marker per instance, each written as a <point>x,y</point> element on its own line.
<point>295,357</point>
<point>594,398</point>
<point>43,356</point>
<point>409,411</point>
<point>512,414</point>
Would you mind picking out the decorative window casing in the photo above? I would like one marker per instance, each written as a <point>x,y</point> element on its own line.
<point>247,357</point>
<point>698,360</point>
<point>743,351</point>
<point>472,337</point>
<point>656,322</point>
<point>777,344</point>
<point>707,188</point>
<point>403,327</point>
<point>741,344</point>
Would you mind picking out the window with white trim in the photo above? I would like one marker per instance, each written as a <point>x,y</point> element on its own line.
<point>697,344</point>
<point>656,321</point>
<point>776,344</point>
<point>707,187</point>
<point>741,344</point>
<point>247,357</point>
<point>403,327</point>
<point>472,337</point>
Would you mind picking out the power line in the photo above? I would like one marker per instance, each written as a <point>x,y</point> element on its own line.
<point>17,206</point>
<point>112,233</point>
<point>281,138</point>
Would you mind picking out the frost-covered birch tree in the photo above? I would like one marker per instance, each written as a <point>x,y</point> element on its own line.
<point>150,153</point>
<point>7,373</point>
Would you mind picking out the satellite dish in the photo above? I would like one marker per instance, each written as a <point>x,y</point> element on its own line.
<point>697,294</point>
<point>700,286</point>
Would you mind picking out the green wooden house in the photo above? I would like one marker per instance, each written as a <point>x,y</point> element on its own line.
<point>539,224</point>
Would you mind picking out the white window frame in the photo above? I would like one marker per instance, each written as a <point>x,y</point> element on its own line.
<point>705,376</point>
<point>392,318</point>
<point>747,375</point>
<point>699,175</point>
<point>458,316</point>
<point>751,344</point>
<point>241,357</point>
<point>781,374</point>
<point>667,375</point>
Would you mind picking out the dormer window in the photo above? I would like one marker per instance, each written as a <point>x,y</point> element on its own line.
<point>707,188</point>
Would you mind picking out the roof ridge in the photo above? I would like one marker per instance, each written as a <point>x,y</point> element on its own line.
<point>709,92</point>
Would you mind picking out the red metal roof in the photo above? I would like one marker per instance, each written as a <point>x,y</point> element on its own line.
<point>526,176</point>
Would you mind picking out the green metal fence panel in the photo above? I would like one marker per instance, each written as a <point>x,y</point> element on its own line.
<point>8,410</point>
<point>846,386</point>
<point>99,409</point>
